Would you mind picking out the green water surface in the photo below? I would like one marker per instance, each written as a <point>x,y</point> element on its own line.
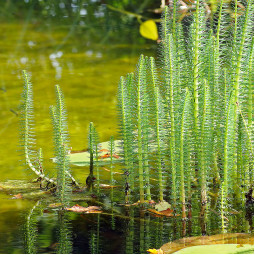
<point>88,71</point>
<point>88,74</point>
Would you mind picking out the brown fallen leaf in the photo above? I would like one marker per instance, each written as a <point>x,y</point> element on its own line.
<point>81,209</point>
<point>55,205</point>
<point>167,212</point>
<point>18,196</point>
<point>234,212</point>
<point>94,211</point>
<point>107,155</point>
<point>150,202</point>
<point>108,170</point>
<point>155,251</point>
<point>106,186</point>
<point>104,150</point>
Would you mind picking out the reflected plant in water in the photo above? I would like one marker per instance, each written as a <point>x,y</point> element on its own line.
<point>31,230</point>
<point>64,234</point>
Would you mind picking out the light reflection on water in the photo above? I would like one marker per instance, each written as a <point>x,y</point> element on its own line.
<point>88,76</point>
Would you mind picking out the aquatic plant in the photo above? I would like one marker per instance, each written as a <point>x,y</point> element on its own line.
<point>93,151</point>
<point>27,137</point>
<point>198,137</point>
<point>187,121</point>
<point>61,141</point>
<point>60,130</point>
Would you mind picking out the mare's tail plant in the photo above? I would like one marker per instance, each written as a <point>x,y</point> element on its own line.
<point>32,160</point>
<point>35,160</point>
<point>61,141</point>
<point>125,106</point>
<point>204,140</point>
<point>93,151</point>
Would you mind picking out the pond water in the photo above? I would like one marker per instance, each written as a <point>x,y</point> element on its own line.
<point>88,74</point>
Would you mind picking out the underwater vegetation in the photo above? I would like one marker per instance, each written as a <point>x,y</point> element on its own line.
<point>186,121</point>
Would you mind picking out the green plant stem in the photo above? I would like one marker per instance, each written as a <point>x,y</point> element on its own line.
<point>182,155</point>
<point>172,117</point>
<point>239,57</point>
<point>203,153</point>
<point>62,126</point>
<point>159,168</point>
<point>250,88</point>
<point>125,90</point>
<point>139,128</point>
<point>195,69</point>
<point>90,179</point>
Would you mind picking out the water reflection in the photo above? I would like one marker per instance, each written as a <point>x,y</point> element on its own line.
<point>123,230</point>
<point>31,230</point>
<point>39,237</point>
<point>64,245</point>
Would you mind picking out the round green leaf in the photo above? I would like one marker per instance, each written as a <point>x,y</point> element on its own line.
<point>218,249</point>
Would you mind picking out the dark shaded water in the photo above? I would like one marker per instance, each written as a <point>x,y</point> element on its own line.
<point>41,228</point>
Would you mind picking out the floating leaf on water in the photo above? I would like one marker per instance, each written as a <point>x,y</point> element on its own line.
<point>218,249</point>
<point>150,202</point>
<point>233,211</point>
<point>104,150</point>
<point>148,29</point>
<point>81,209</point>
<point>83,158</point>
<point>230,238</point>
<point>162,206</point>
<point>18,196</point>
<point>108,170</point>
<point>107,186</point>
<point>55,205</point>
<point>155,251</point>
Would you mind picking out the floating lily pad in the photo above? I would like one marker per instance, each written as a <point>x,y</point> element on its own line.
<point>229,238</point>
<point>83,158</point>
<point>218,249</point>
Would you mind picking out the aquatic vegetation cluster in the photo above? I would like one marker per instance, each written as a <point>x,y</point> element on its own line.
<point>186,124</point>
<point>190,123</point>
<point>34,160</point>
